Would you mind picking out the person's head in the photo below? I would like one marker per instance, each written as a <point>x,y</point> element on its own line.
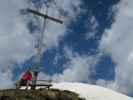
<point>29,69</point>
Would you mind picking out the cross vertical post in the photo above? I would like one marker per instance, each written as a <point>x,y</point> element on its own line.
<point>40,40</point>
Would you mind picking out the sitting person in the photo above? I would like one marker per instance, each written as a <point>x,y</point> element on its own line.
<point>26,77</point>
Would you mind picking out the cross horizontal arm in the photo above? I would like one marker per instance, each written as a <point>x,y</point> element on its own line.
<point>44,16</point>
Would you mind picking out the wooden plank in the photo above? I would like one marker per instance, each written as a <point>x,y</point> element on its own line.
<point>44,16</point>
<point>45,85</point>
<point>40,85</point>
<point>37,85</point>
<point>45,80</point>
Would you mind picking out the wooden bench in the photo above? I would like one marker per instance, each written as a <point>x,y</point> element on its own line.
<point>47,86</point>
<point>46,83</point>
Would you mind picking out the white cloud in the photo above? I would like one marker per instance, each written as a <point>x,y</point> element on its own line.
<point>43,76</point>
<point>55,31</point>
<point>57,58</point>
<point>16,43</point>
<point>92,23</point>
<point>108,84</point>
<point>6,82</point>
<point>117,41</point>
<point>77,69</point>
<point>68,6</point>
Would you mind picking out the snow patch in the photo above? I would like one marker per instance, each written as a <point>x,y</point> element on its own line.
<point>91,92</point>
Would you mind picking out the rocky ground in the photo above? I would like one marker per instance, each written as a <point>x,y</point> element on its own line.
<point>42,94</point>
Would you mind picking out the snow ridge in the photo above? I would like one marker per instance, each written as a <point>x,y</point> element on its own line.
<point>91,92</point>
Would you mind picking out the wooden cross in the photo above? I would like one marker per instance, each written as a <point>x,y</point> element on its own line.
<point>40,44</point>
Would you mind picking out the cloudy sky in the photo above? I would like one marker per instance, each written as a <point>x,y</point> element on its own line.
<point>93,45</point>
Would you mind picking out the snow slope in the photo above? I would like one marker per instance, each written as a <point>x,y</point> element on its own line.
<point>91,92</point>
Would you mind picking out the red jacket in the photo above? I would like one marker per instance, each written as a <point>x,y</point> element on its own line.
<point>27,76</point>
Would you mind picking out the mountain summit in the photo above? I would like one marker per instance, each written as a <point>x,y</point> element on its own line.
<point>64,91</point>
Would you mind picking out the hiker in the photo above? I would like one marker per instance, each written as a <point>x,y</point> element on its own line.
<point>26,77</point>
